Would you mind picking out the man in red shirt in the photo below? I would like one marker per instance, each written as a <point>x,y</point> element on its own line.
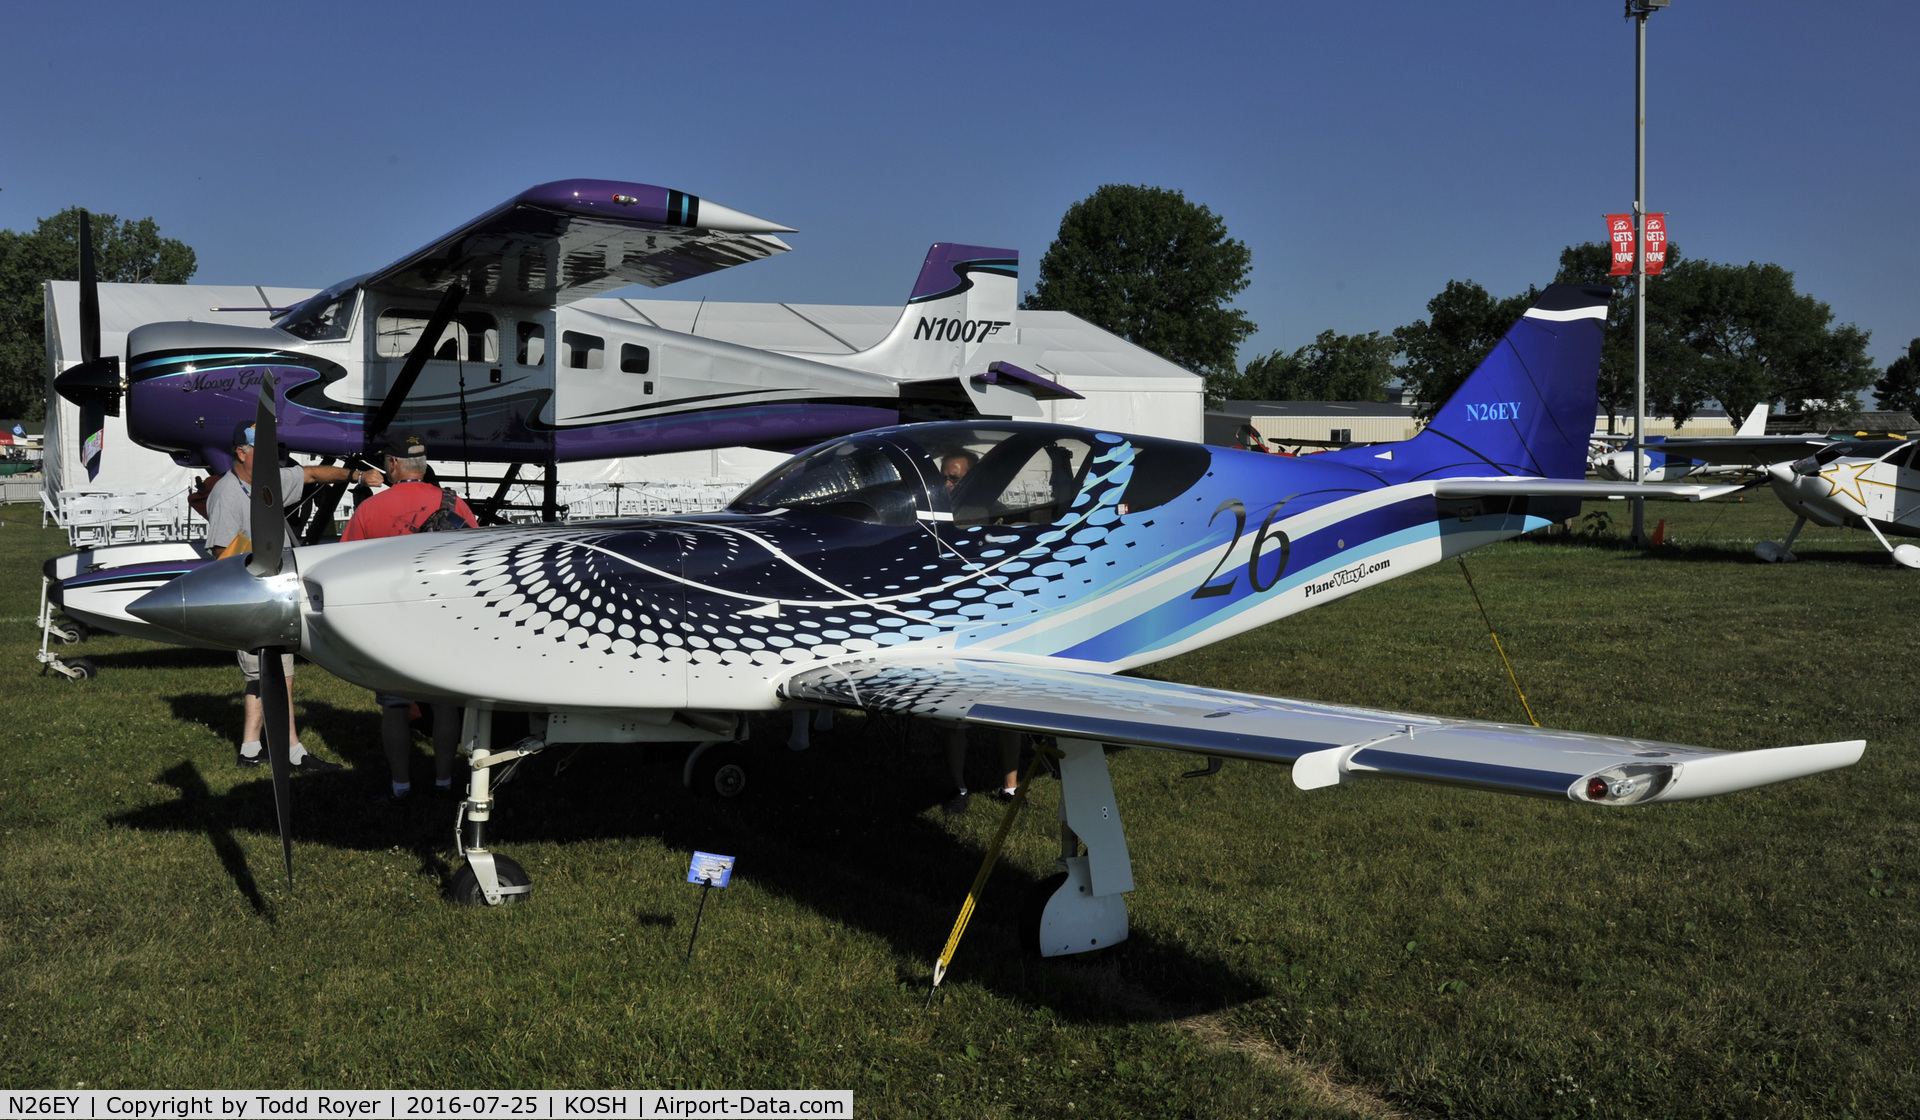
<point>407,505</point>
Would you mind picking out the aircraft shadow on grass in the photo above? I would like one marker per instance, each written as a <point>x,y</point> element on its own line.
<point>840,829</point>
<point>1704,553</point>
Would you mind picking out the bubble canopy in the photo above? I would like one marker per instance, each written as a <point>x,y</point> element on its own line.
<point>968,474</point>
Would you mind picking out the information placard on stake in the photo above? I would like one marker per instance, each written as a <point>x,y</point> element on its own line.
<point>710,871</point>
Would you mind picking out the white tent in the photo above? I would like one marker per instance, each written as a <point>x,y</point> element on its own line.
<point>1125,388</point>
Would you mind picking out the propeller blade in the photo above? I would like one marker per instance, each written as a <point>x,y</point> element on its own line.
<point>93,424</point>
<point>416,360</point>
<point>94,384</point>
<point>268,527</point>
<point>89,295</point>
<point>278,711</point>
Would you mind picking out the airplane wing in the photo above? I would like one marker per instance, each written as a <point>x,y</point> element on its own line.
<point>1326,743</point>
<point>565,241</point>
<point>1512,486</point>
<point>1753,451</point>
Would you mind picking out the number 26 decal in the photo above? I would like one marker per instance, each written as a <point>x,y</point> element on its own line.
<point>1208,588</point>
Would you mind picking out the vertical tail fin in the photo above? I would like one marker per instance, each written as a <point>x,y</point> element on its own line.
<point>1529,407</point>
<point>1756,422</point>
<point>964,299</point>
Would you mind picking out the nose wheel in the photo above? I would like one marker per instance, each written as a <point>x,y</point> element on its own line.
<point>510,881</point>
<point>487,878</point>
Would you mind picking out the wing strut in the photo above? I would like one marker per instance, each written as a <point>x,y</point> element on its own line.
<point>416,361</point>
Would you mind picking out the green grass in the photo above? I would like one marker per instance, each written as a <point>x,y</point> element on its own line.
<point>1341,952</point>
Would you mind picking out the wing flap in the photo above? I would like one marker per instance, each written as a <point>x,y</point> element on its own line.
<point>1326,743</point>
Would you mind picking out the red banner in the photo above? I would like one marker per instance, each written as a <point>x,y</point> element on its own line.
<point>1620,234</point>
<point>1656,243</point>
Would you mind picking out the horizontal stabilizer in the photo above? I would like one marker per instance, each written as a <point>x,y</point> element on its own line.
<point>1327,743</point>
<point>1507,485</point>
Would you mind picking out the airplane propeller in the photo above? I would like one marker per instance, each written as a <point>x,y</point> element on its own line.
<point>94,384</point>
<point>268,531</point>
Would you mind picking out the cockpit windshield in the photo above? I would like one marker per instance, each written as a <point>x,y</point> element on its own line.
<point>966,474</point>
<point>327,317</point>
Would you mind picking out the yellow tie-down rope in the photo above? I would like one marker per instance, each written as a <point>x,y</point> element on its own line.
<point>1526,707</point>
<point>986,867</point>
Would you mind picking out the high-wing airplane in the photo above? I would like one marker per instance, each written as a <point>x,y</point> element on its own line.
<point>471,342</point>
<point>1666,458</point>
<point>872,573</point>
<point>1862,484</point>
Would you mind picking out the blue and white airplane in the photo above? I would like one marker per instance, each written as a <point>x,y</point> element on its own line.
<point>986,572</point>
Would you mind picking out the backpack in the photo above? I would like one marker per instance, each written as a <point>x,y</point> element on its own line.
<point>444,519</point>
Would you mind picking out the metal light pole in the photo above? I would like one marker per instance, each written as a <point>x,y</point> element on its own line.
<point>1639,11</point>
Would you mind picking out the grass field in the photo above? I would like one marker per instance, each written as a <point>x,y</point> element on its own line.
<point>1374,949</point>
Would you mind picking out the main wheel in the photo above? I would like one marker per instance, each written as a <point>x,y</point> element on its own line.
<point>720,771</point>
<point>465,886</point>
<point>80,669</point>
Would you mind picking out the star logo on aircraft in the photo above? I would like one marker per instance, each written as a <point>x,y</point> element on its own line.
<point>1853,487</point>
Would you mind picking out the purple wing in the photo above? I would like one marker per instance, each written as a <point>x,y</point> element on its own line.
<point>575,238</point>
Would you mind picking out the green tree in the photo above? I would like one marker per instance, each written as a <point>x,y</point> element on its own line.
<point>1463,326</point>
<point>1670,365</point>
<point>1334,367</point>
<point>1899,388</point>
<point>130,252</point>
<point>1753,338</point>
<point>1153,268</point>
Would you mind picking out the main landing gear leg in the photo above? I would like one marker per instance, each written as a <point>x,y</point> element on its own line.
<point>1780,552</point>
<point>1905,555</point>
<point>488,879</point>
<point>1088,910</point>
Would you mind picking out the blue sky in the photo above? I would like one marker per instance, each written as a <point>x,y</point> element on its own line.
<point>1365,152</point>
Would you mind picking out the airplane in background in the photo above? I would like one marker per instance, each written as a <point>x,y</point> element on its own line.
<point>1870,484</point>
<point>867,573</point>
<point>1665,458</point>
<point>1861,484</point>
<point>473,342</point>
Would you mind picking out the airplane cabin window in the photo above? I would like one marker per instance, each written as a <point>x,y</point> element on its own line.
<point>1029,475</point>
<point>533,345</point>
<point>473,337</point>
<point>858,479</point>
<point>481,341</point>
<point>584,351</point>
<point>1902,457</point>
<point>1025,480</point>
<point>322,322</point>
<point>634,359</point>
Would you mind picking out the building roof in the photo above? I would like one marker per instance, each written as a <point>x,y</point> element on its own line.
<point>1316,408</point>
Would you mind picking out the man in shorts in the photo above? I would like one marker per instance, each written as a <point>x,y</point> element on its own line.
<point>411,505</point>
<point>229,520</point>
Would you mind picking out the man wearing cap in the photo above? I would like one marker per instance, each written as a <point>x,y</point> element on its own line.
<point>410,505</point>
<point>229,517</point>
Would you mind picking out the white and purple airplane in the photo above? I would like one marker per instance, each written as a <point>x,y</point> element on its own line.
<point>860,574</point>
<point>473,343</point>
